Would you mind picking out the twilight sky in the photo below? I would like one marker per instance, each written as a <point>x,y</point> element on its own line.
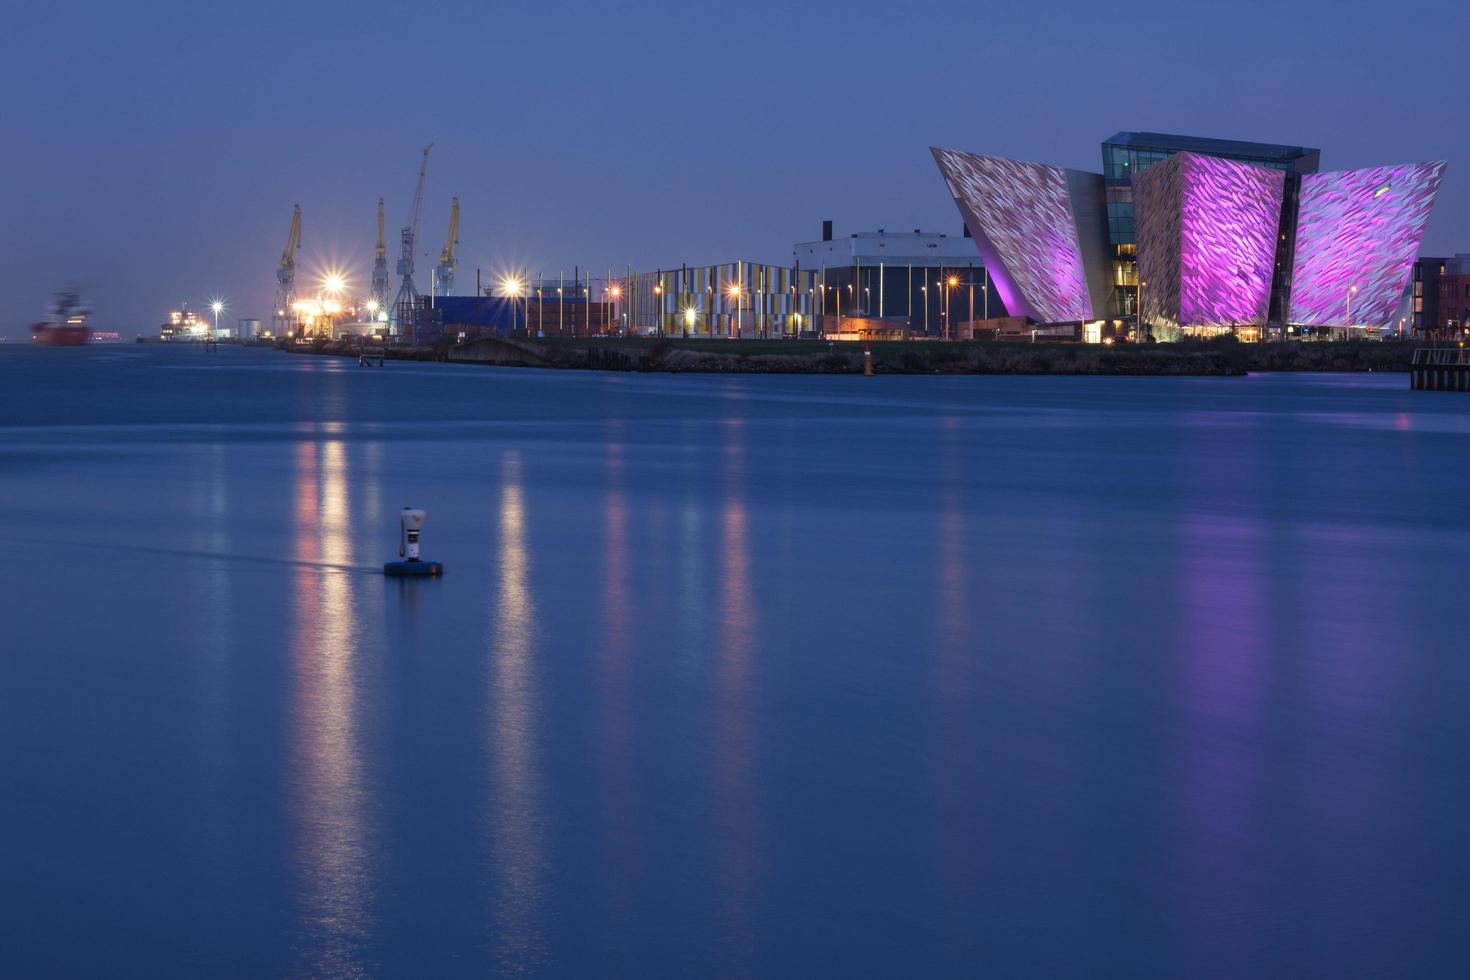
<point>152,150</point>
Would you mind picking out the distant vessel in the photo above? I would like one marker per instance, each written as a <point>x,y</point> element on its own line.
<point>65,324</point>
<point>184,324</point>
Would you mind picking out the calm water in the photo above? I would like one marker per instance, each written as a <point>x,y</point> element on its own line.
<point>728,676</point>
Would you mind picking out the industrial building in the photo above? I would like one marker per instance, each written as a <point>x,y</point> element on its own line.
<point>1452,308</point>
<point>1203,236</point>
<point>914,283</point>
<point>543,306</point>
<point>739,300</point>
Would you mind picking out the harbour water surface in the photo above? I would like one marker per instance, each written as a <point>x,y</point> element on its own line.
<point>744,676</point>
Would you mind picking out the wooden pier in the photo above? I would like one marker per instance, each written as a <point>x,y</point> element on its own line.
<point>1440,369</point>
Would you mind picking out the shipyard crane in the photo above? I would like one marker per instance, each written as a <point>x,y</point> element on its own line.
<point>444,275</point>
<point>407,301</point>
<point>286,277</point>
<point>379,295</point>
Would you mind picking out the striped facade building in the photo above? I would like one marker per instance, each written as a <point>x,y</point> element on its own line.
<point>743,300</point>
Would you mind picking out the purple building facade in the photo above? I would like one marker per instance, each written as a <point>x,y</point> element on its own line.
<point>1358,235</point>
<point>1214,238</point>
<point>1037,228</point>
<point>1206,230</point>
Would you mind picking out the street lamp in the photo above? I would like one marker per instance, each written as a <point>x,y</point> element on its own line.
<point>734,290</point>
<point>1348,327</point>
<point>1142,283</point>
<point>949,284</point>
<point>217,306</point>
<point>511,287</point>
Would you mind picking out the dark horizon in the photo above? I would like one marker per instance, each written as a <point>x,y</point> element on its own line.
<point>159,161</point>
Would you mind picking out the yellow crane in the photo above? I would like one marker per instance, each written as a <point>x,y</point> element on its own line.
<point>444,275</point>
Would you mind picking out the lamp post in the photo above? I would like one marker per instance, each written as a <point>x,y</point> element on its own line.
<point>334,284</point>
<point>734,290</point>
<point>949,284</point>
<point>1347,328</point>
<point>1142,283</point>
<point>924,290</point>
<point>217,306</point>
<point>511,287</point>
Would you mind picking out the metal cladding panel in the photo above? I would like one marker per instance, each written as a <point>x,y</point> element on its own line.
<point>1207,239</point>
<point>1359,230</point>
<point>1158,209</point>
<point>1088,194</point>
<point>1231,215</point>
<point>1024,225</point>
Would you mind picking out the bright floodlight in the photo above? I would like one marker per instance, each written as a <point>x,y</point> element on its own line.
<point>218,306</point>
<point>334,283</point>
<point>689,314</point>
<point>734,289</point>
<point>954,281</point>
<point>616,291</point>
<point>510,286</point>
<point>373,305</point>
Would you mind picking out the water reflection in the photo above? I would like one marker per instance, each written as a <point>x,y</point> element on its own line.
<point>735,734</point>
<point>516,805</point>
<point>209,600</point>
<point>327,791</point>
<point>1217,805</point>
<point>615,749</point>
<point>955,654</point>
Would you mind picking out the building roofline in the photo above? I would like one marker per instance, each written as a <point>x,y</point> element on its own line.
<point>1203,144</point>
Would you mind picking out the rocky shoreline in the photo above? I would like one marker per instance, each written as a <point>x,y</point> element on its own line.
<point>1220,358</point>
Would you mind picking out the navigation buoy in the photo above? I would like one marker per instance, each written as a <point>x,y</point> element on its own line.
<point>410,525</point>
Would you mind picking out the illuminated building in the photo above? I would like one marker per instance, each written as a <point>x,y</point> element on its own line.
<point>1225,236</point>
<point>894,283</point>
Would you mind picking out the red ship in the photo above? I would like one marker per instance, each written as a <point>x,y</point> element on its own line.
<point>65,324</point>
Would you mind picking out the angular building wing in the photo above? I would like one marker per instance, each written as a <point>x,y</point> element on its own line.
<point>1207,234</point>
<point>1358,233</point>
<point>1040,230</point>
